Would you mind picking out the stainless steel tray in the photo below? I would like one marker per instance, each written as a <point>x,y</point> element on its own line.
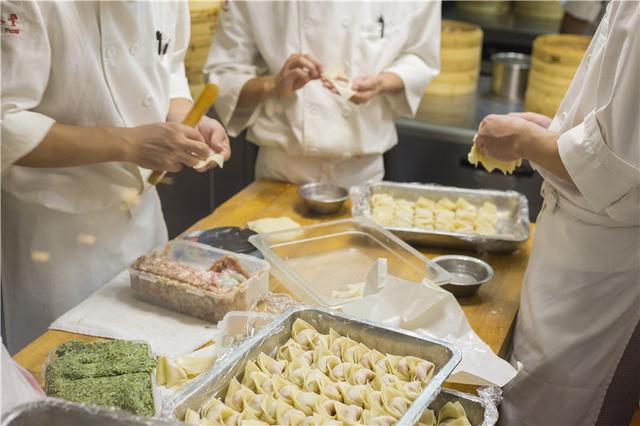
<point>387,340</point>
<point>480,411</point>
<point>513,215</point>
<point>58,412</point>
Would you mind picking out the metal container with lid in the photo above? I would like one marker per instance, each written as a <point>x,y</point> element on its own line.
<point>510,74</point>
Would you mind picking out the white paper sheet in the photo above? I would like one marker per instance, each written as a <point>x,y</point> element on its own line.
<point>113,312</point>
<point>430,310</point>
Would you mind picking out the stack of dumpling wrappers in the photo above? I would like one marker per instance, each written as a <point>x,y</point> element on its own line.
<point>443,215</point>
<point>319,379</point>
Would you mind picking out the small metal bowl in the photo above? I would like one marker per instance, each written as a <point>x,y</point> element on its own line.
<point>323,198</point>
<point>467,274</point>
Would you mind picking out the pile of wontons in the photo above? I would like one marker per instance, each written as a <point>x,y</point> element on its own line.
<point>319,379</point>
<point>443,215</point>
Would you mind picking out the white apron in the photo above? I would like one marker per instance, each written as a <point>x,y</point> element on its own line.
<point>575,319</point>
<point>84,252</point>
<point>67,231</point>
<point>580,301</point>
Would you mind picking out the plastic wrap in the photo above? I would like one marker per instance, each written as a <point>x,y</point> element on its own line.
<point>481,410</point>
<point>513,215</point>
<point>194,301</point>
<point>54,411</point>
<point>385,339</point>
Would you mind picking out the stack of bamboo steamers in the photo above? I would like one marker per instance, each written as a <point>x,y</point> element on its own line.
<point>554,61</point>
<point>461,48</point>
<point>204,20</point>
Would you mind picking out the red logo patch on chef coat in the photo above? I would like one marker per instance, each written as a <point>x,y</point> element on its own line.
<point>10,25</point>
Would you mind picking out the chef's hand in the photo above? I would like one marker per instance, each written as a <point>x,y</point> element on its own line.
<point>508,137</point>
<point>164,146</point>
<point>369,86</point>
<point>216,137</point>
<point>298,70</point>
<point>534,117</point>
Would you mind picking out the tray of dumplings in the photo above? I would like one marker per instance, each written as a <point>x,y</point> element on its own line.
<point>313,366</point>
<point>448,217</point>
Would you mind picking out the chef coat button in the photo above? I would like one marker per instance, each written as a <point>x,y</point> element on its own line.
<point>308,23</point>
<point>111,52</point>
<point>314,110</point>
<point>346,155</point>
<point>564,115</point>
<point>134,49</point>
<point>346,21</point>
<point>147,100</point>
<point>346,112</point>
<point>587,59</point>
<point>313,151</point>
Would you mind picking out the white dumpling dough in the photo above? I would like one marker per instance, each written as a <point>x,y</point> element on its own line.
<point>490,163</point>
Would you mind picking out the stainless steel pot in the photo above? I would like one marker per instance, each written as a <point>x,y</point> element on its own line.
<point>510,73</point>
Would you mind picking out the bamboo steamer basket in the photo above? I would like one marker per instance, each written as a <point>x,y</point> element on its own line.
<point>204,21</point>
<point>555,60</point>
<point>564,49</point>
<point>484,7</point>
<point>460,50</point>
<point>548,9</point>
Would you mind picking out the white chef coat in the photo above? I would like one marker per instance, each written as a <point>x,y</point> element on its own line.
<point>256,38</point>
<point>581,298</point>
<point>93,64</point>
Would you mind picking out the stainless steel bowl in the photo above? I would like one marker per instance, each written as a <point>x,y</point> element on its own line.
<point>323,198</point>
<point>467,274</point>
<point>510,74</point>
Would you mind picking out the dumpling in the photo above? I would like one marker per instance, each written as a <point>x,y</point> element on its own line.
<point>348,414</point>
<point>452,414</point>
<point>425,203</point>
<point>370,359</point>
<point>353,394</point>
<point>287,415</point>
<point>383,380</point>
<point>342,372</point>
<point>462,226</point>
<point>269,406</point>
<point>394,403</point>
<point>170,374</point>
<point>235,395</point>
<point>303,334</point>
<point>315,381</point>
<point>423,372</point>
<point>381,199</point>
<point>354,353</point>
<point>191,417</point>
<point>217,411</point>
<point>331,391</point>
<point>306,401</point>
<point>297,372</point>
<point>411,390</point>
<point>291,351</point>
<point>467,214</point>
<point>327,408</point>
<point>270,365</point>
<point>328,363</point>
<point>361,376</point>
<point>446,203</point>
<point>489,163</point>
<point>372,399</point>
<point>428,418</point>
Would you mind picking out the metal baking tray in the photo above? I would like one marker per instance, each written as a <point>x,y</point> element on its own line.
<point>58,412</point>
<point>513,215</point>
<point>480,411</point>
<point>444,355</point>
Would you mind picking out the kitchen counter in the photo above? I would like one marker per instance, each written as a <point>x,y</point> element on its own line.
<point>491,312</point>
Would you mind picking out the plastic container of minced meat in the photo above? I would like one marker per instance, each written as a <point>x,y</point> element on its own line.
<point>194,301</point>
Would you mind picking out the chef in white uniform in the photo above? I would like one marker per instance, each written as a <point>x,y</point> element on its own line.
<point>580,303</point>
<point>82,85</point>
<point>268,58</point>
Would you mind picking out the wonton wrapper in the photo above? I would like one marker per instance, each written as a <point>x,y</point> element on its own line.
<point>490,163</point>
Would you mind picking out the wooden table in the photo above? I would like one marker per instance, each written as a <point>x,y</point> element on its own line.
<point>491,312</point>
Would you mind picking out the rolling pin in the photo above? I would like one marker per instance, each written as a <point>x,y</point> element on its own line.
<point>200,108</point>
